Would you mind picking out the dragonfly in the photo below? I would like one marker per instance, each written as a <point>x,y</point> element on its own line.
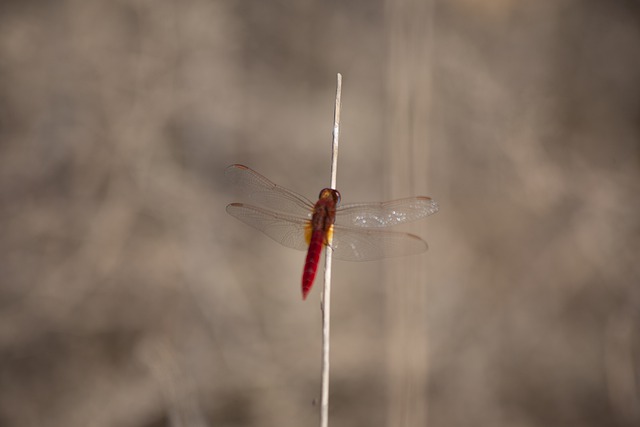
<point>355,231</point>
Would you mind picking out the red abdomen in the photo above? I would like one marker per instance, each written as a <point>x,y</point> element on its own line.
<point>311,264</point>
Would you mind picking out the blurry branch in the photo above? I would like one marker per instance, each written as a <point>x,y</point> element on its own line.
<point>177,389</point>
<point>620,370</point>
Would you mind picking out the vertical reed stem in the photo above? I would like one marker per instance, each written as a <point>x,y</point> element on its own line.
<point>326,292</point>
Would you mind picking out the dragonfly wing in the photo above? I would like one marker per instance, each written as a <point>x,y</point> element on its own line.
<point>264,192</point>
<point>287,230</point>
<point>386,214</point>
<point>370,245</point>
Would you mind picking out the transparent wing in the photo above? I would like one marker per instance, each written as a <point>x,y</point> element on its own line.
<point>287,230</point>
<point>386,214</point>
<point>351,244</point>
<point>264,192</point>
<point>355,236</point>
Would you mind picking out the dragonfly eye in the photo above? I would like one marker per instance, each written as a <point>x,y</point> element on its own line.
<point>330,193</point>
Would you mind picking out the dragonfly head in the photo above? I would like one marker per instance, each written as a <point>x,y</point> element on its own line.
<point>330,194</point>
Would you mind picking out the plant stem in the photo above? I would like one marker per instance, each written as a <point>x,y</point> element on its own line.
<point>326,292</point>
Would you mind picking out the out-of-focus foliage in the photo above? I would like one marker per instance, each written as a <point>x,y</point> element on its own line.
<point>129,298</point>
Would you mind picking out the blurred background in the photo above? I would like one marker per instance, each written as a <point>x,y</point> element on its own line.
<point>128,297</point>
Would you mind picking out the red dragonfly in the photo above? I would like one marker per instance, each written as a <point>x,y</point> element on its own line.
<point>352,230</point>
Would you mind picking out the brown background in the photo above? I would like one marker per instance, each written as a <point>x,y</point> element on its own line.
<point>129,298</point>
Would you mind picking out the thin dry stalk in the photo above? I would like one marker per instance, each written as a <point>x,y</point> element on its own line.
<point>326,292</point>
